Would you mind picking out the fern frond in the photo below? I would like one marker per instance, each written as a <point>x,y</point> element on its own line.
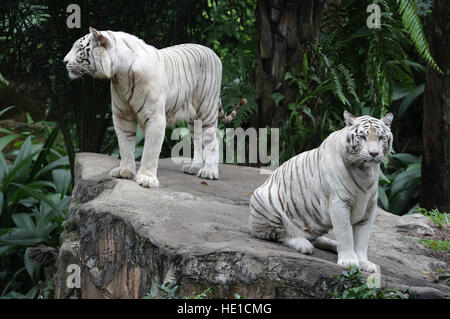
<point>348,76</point>
<point>337,87</point>
<point>411,22</point>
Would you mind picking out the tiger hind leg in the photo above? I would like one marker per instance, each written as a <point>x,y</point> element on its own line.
<point>296,238</point>
<point>210,169</point>
<point>301,244</point>
<point>325,243</point>
<point>195,130</point>
<point>264,225</point>
<point>125,127</point>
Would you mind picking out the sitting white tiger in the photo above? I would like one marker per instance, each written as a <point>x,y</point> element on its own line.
<point>153,88</point>
<point>332,186</point>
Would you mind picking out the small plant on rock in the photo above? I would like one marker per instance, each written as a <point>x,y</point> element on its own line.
<point>440,219</point>
<point>168,291</point>
<point>351,284</point>
<point>435,244</point>
<point>165,291</point>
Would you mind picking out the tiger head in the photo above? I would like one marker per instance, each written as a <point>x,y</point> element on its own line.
<point>89,55</point>
<point>368,140</point>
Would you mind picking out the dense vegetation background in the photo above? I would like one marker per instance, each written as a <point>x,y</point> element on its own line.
<point>298,76</point>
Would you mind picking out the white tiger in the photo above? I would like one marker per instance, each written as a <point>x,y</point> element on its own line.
<point>153,88</point>
<point>332,186</point>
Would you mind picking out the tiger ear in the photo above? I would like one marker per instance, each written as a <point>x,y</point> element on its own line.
<point>98,37</point>
<point>94,33</point>
<point>349,118</point>
<point>387,119</point>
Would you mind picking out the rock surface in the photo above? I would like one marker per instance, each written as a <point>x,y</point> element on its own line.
<point>194,232</point>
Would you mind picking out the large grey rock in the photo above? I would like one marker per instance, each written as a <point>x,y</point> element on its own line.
<point>195,232</point>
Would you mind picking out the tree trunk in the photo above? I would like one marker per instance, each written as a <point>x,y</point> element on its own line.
<point>287,29</point>
<point>436,120</point>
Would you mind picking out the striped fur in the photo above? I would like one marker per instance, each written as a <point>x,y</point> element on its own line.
<point>332,186</point>
<point>155,88</point>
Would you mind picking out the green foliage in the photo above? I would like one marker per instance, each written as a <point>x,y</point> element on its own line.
<point>3,82</point>
<point>443,274</point>
<point>376,58</point>
<point>352,67</point>
<point>435,244</point>
<point>320,81</point>
<point>408,99</point>
<point>440,219</point>
<point>411,22</point>
<point>34,196</point>
<point>201,295</point>
<point>168,291</point>
<point>399,184</point>
<point>165,291</point>
<point>351,284</point>
<point>232,92</point>
<point>5,110</point>
<point>232,35</point>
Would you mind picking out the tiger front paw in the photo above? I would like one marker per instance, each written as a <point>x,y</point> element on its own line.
<point>368,266</point>
<point>208,173</point>
<point>147,180</point>
<point>347,261</point>
<point>122,172</point>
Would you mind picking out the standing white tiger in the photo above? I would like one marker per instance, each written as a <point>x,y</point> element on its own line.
<point>332,186</point>
<point>153,88</point>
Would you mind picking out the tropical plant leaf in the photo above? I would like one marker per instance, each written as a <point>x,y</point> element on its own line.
<point>20,237</point>
<point>405,158</point>
<point>24,221</point>
<point>31,294</point>
<point>17,167</point>
<point>411,22</point>
<point>409,99</point>
<point>38,195</point>
<point>5,140</point>
<point>61,180</point>
<point>19,193</point>
<point>3,168</point>
<point>402,200</point>
<point>64,161</point>
<point>382,198</point>
<point>1,202</point>
<point>5,249</point>
<point>399,93</point>
<point>46,216</point>
<point>8,108</point>
<point>406,179</point>
<point>33,268</point>
<point>383,178</point>
<point>5,289</point>
<point>24,152</point>
<point>44,152</point>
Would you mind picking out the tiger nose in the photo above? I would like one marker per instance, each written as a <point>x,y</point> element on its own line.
<point>65,61</point>
<point>373,154</point>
